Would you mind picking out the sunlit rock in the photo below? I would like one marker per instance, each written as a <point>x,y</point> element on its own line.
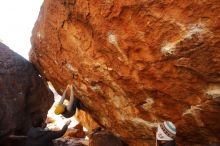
<point>136,63</point>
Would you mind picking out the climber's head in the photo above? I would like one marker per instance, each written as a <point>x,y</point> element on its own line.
<point>38,121</point>
<point>166,132</point>
<point>59,109</point>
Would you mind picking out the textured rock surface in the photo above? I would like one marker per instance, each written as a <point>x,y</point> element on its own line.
<point>23,93</point>
<point>136,63</point>
<point>75,132</point>
<point>86,120</point>
<point>104,138</point>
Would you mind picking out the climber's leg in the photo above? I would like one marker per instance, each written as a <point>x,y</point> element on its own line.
<point>72,109</point>
<point>74,106</point>
<point>78,103</point>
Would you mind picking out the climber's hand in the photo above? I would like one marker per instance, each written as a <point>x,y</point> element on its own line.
<point>68,86</point>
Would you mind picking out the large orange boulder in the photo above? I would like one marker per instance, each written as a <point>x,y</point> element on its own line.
<point>136,63</point>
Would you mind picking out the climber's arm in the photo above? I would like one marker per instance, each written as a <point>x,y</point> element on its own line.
<point>73,104</point>
<point>63,96</point>
<point>70,105</point>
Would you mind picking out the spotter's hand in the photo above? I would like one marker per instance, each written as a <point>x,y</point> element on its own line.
<point>68,122</point>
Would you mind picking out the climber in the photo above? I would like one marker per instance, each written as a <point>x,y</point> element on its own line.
<point>166,133</point>
<point>68,110</point>
<point>38,136</point>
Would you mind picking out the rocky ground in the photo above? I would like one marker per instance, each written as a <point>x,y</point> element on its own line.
<point>71,142</point>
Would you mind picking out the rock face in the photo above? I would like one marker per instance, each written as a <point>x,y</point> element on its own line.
<point>104,138</point>
<point>86,120</point>
<point>23,93</point>
<point>75,132</point>
<point>136,63</point>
